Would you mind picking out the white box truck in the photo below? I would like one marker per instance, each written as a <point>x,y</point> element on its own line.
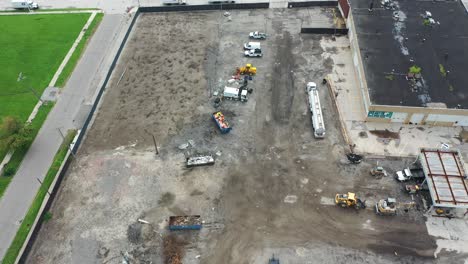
<point>21,4</point>
<point>232,93</point>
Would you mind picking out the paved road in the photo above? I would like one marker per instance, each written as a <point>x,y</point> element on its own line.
<point>69,112</point>
<point>119,6</point>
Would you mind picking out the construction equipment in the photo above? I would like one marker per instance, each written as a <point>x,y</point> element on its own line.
<point>378,172</point>
<point>412,188</point>
<point>222,124</point>
<point>386,207</point>
<point>354,158</point>
<point>349,200</point>
<point>248,69</point>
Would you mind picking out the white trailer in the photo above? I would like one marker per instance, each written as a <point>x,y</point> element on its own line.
<point>232,93</point>
<point>22,4</point>
<point>316,110</point>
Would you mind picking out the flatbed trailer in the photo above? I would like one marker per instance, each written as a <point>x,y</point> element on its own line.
<point>185,222</point>
<point>200,160</point>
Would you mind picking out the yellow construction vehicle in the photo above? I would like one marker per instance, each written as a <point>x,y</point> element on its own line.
<point>386,207</point>
<point>349,200</point>
<point>248,69</point>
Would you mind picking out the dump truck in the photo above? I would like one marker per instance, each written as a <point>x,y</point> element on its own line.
<point>185,222</point>
<point>318,124</point>
<point>349,200</point>
<point>386,207</point>
<point>222,124</point>
<point>200,160</point>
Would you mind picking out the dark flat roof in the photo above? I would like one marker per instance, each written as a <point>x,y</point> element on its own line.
<point>383,40</point>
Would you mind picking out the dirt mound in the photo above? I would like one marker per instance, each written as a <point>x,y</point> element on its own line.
<point>173,249</point>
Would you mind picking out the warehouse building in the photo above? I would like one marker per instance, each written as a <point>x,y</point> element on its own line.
<point>411,60</point>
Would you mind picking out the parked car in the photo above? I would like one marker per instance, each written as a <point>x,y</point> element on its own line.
<point>407,174</point>
<point>253,53</point>
<point>252,45</point>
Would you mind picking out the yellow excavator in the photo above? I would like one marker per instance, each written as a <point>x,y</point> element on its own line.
<point>349,200</point>
<point>248,69</point>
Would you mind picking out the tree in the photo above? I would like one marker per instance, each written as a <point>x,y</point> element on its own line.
<point>22,138</point>
<point>14,134</point>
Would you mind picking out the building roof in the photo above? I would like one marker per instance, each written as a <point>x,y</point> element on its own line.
<point>393,40</point>
<point>445,177</point>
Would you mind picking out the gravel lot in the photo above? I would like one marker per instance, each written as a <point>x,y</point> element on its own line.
<point>272,187</point>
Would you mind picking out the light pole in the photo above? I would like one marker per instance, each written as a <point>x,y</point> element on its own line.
<point>22,77</point>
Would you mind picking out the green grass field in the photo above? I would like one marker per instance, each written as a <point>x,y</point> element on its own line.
<point>34,45</point>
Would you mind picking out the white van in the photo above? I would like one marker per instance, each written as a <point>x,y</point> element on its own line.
<point>252,45</point>
<point>22,4</point>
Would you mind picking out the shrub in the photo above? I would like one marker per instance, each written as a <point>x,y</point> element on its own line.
<point>9,171</point>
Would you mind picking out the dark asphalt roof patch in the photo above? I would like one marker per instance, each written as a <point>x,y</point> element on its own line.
<point>391,41</point>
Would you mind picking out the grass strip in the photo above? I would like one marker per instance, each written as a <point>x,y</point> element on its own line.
<point>31,215</point>
<point>18,156</point>
<point>48,10</point>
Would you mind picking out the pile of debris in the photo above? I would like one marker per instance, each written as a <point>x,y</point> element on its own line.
<point>172,249</point>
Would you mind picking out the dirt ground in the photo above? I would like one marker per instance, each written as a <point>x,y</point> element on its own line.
<point>272,187</point>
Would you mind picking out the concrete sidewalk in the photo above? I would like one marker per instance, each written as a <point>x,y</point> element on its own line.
<point>69,112</point>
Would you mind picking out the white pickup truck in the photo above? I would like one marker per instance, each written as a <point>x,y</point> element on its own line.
<point>408,174</point>
<point>253,53</point>
<point>257,35</point>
